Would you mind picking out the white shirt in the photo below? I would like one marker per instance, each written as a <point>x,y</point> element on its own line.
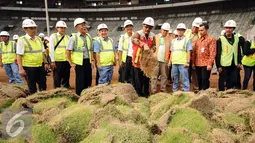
<point>130,45</point>
<point>20,45</point>
<point>52,46</point>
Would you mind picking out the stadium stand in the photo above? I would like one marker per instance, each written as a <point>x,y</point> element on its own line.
<point>216,12</point>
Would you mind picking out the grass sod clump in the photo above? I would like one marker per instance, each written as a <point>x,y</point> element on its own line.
<point>176,135</point>
<point>73,123</point>
<point>190,119</point>
<point>42,134</point>
<point>162,107</point>
<point>128,132</point>
<point>58,102</point>
<point>5,104</point>
<point>143,106</point>
<point>13,140</point>
<point>98,136</point>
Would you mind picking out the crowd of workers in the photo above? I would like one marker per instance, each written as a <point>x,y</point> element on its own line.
<point>185,56</point>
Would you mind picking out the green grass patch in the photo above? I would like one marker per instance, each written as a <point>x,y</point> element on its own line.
<point>190,119</point>
<point>175,135</point>
<point>60,102</point>
<point>42,134</point>
<point>73,123</point>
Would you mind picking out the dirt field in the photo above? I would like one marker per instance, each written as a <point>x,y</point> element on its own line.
<point>213,79</point>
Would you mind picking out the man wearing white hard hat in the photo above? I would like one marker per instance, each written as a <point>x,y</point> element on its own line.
<point>142,40</point>
<point>125,52</point>
<point>193,34</point>
<point>57,49</point>
<point>180,58</point>
<point>8,58</point>
<point>162,54</point>
<point>105,55</point>
<point>79,55</point>
<point>15,38</point>
<point>31,58</point>
<point>228,57</point>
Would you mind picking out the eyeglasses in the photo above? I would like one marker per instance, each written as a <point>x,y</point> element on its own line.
<point>32,28</point>
<point>148,27</point>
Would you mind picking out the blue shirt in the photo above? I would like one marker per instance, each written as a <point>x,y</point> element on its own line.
<point>189,44</point>
<point>97,45</point>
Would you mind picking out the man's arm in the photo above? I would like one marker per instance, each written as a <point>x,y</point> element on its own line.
<point>247,50</point>
<point>120,49</point>
<point>212,52</point>
<point>97,53</point>
<point>218,53</point>
<point>69,49</point>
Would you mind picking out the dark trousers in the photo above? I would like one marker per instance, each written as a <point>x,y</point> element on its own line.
<point>61,74</point>
<point>122,73</point>
<point>128,70</point>
<point>141,83</point>
<point>83,76</point>
<point>227,75</point>
<point>170,74</point>
<point>247,76</point>
<point>97,76</point>
<point>238,82</point>
<point>203,78</point>
<point>35,75</point>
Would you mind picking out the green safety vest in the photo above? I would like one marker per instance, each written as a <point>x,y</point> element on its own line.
<point>60,51</point>
<point>33,55</point>
<point>125,45</point>
<point>8,52</point>
<point>179,51</point>
<point>228,50</point>
<point>77,53</point>
<point>106,52</point>
<point>250,59</point>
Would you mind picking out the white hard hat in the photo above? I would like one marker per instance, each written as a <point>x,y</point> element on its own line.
<point>222,32</point>
<point>230,23</point>
<point>175,32</point>
<point>128,22</point>
<point>181,26</point>
<point>197,21</point>
<point>15,37</point>
<point>61,24</point>
<point>41,35</point>
<point>4,33</point>
<point>149,21</point>
<point>102,26</point>
<point>28,23</point>
<point>170,31</point>
<point>165,26</point>
<point>78,21</point>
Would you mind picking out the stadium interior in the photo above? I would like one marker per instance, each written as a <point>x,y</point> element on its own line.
<point>216,12</point>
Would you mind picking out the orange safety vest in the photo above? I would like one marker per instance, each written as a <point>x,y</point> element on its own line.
<point>137,50</point>
<point>167,44</point>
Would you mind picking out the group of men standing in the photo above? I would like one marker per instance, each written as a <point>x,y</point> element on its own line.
<point>187,53</point>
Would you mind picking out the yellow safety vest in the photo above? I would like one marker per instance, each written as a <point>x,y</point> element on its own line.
<point>8,52</point>
<point>179,51</point>
<point>125,45</point>
<point>228,50</point>
<point>77,53</point>
<point>250,59</point>
<point>33,55</point>
<point>60,51</point>
<point>106,52</point>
